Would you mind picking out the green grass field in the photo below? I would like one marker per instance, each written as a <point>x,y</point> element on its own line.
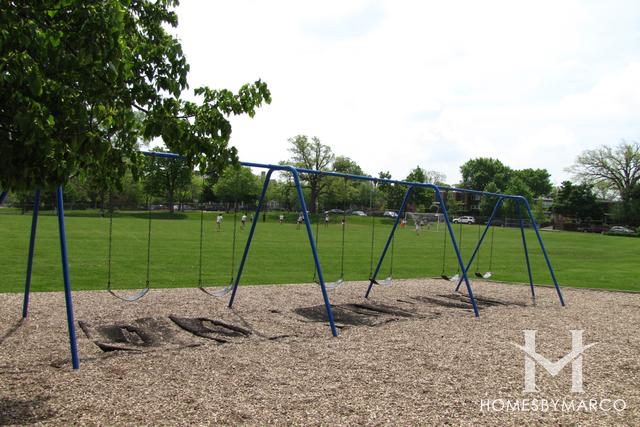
<point>280,253</point>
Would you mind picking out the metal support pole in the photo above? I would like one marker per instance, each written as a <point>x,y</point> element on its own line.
<point>32,244</point>
<point>303,206</point>
<point>265,185</point>
<point>316,259</point>
<point>496,208</point>
<point>75,362</point>
<point>526,252</point>
<point>457,251</point>
<point>544,250</point>
<point>372,279</point>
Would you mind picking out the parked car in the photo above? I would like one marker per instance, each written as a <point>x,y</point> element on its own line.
<point>594,228</point>
<point>618,229</point>
<point>391,214</point>
<point>464,220</point>
<point>334,211</point>
<point>358,213</point>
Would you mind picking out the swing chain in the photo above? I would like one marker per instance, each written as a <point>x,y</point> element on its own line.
<point>148,240</point>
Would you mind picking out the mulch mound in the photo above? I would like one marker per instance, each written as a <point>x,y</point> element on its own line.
<point>411,354</point>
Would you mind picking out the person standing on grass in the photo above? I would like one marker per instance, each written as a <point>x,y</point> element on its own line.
<point>243,220</point>
<point>299,221</point>
<point>326,220</point>
<point>417,228</point>
<point>219,221</point>
<point>281,218</point>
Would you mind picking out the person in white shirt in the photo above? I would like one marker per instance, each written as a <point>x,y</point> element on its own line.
<point>219,221</point>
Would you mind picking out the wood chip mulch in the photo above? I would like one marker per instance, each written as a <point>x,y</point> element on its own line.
<point>412,354</point>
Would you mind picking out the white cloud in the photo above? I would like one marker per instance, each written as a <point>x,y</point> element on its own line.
<point>397,84</point>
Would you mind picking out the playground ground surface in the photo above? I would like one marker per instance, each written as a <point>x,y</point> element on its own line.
<point>411,354</point>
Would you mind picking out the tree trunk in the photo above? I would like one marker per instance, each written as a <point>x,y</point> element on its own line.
<point>170,195</point>
<point>314,198</point>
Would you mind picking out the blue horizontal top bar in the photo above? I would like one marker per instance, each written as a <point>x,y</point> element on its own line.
<point>163,154</point>
<point>288,168</point>
<point>378,180</point>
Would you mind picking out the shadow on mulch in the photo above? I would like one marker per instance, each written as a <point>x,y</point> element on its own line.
<point>462,301</point>
<point>11,330</point>
<point>20,412</point>
<point>378,314</point>
<point>139,335</point>
<point>154,333</point>
<point>356,314</point>
<point>212,329</point>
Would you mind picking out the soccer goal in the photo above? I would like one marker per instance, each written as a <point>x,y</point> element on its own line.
<point>428,221</point>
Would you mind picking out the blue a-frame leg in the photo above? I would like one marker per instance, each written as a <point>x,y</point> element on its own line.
<point>520,201</point>
<point>75,362</point>
<point>372,279</point>
<point>303,206</point>
<point>525,203</point>
<point>496,208</point>
<point>454,243</point>
<point>526,252</point>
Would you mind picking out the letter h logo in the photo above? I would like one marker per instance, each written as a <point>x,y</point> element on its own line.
<point>531,358</point>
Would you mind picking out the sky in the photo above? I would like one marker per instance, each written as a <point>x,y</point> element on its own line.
<point>399,84</point>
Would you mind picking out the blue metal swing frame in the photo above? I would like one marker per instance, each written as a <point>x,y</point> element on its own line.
<point>295,172</point>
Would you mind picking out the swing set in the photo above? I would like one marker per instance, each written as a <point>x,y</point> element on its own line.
<point>236,276</point>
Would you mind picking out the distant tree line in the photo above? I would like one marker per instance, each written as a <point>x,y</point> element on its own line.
<point>611,173</point>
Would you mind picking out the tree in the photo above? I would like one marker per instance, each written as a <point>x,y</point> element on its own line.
<point>344,164</point>
<point>617,167</point>
<point>237,184</point>
<point>487,203</point>
<point>419,196</point>
<point>435,177</point>
<point>341,193</point>
<point>629,212</point>
<point>165,177</point>
<point>538,180</point>
<point>392,193</point>
<point>577,201</point>
<point>311,155</point>
<point>83,82</point>
<point>477,173</point>
<point>517,186</point>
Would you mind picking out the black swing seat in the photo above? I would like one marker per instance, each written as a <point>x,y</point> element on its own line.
<point>129,298</point>
<point>218,293</point>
